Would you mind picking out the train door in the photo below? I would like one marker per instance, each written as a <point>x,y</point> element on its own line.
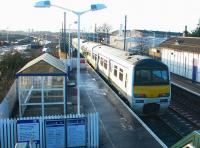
<point>185,64</point>
<point>182,64</point>
<point>198,68</point>
<point>194,69</point>
<point>126,81</point>
<point>109,69</point>
<point>96,60</point>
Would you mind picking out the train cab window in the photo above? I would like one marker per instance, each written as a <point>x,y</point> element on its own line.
<point>159,76</point>
<point>142,76</point>
<point>93,56</point>
<point>121,74</point>
<point>151,77</point>
<point>164,75</point>
<point>105,64</point>
<point>115,71</point>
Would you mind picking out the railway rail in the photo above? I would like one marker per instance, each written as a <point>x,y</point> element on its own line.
<point>179,120</point>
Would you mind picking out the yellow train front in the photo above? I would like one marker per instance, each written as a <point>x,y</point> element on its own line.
<point>151,87</point>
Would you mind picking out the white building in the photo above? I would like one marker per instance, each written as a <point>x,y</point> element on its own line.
<point>182,55</point>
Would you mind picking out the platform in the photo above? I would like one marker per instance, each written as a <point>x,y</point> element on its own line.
<point>186,84</point>
<point>118,128</point>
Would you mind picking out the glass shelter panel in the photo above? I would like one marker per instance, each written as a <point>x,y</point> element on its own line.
<point>41,94</point>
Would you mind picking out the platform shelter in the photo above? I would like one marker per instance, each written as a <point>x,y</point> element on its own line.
<point>41,84</point>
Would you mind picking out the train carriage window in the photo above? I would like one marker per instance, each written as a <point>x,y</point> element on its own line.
<point>105,64</point>
<point>101,61</point>
<point>126,79</point>
<point>95,57</point>
<point>121,74</point>
<point>115,70</point>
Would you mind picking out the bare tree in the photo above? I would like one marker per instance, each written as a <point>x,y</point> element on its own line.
<point>104,30</point>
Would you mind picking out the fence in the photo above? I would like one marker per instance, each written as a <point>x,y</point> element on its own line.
<point>9,131</point>
<point>8,103</point>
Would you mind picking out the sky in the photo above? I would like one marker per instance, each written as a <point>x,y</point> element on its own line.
<point>162,15</point>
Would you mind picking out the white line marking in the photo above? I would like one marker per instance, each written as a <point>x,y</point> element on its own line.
<point>107,135</point>
<point>186,89</point>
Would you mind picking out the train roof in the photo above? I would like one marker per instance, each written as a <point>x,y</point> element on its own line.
<point>126,56</point>
<point>90,45</point>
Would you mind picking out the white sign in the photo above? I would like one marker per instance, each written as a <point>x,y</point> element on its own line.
<point>28,130</point>
<point>55,133</point>
<point>76,132</point>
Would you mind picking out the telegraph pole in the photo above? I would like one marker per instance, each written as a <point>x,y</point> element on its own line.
<point>64,37</point>
<point>125,33</point>
<point>199,29</point>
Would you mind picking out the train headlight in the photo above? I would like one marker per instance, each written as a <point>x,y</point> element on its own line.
<point>164,95</point>
<point>139,95</point>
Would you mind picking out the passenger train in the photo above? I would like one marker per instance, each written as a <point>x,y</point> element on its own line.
<point>144,82</point>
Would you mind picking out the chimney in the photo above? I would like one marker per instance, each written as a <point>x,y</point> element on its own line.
<point>120,30</point>
<point>185,33</point>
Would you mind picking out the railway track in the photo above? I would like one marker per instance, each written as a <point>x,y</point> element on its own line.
<point>186,104</point>
<point>179,120</point>
<point>165,132</point>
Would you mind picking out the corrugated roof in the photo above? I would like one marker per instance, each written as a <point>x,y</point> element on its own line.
<point>190,44</point>
<point>53,61</point>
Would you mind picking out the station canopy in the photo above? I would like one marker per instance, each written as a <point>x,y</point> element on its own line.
<point>44,64</point>
<point>41,86</point>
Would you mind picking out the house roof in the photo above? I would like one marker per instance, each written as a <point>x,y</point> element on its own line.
<point>49,59</point>
<point>190,44</point>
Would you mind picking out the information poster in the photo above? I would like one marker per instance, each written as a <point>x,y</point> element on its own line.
<point>55,133</point>
<point>28,130</point>
<point>76,132</point>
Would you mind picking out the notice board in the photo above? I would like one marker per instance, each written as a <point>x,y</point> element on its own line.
<point>76,132</point>
<point>55,133</point>
<point>28,130</point>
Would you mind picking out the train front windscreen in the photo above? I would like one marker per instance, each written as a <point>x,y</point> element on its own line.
<point>151,77</point>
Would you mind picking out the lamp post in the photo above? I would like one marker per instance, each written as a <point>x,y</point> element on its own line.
<point>94,7</point>
<point>154,36</point>
<point>7,34</point>
<point>69,48</point>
